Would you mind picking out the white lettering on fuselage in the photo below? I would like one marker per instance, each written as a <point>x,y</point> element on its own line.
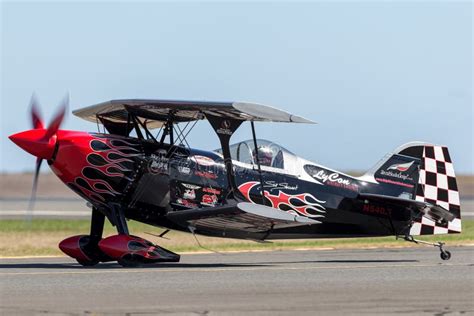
<point>333,177</point>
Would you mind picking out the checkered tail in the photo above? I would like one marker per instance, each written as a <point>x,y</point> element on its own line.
<point>437,185</point>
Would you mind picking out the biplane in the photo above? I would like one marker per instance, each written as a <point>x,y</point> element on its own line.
<point>142,168</point>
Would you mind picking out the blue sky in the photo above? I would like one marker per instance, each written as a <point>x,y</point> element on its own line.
<point>373,75</point>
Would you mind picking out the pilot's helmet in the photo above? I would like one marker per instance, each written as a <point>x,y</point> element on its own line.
<point>265,156</point>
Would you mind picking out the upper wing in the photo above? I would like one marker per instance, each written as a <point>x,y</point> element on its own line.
<point>238,219</point>
<point>432,211</point>
<point>156,112</point>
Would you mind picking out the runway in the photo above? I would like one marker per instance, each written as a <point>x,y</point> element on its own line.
<point>359,282</point>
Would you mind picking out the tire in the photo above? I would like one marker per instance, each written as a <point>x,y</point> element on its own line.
<point>129,261</point>
<point>445,255</point>
<point>87,263</point>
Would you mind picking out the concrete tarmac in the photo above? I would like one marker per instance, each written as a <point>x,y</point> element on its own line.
<point>327,282</point>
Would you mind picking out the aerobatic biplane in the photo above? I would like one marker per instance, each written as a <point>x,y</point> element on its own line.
<point>254,189</point>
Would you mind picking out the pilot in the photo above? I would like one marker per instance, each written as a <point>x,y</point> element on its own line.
<point>265,156</point>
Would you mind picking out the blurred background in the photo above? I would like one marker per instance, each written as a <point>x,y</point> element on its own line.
<point>373,75</point>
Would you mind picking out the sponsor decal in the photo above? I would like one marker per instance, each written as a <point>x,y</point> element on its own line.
<point>186,203</point>
<point>205,174</point>
<point>189,194</point>
<point>297,204</point>
<point>398,175</point>
<point>190,186</point>
<point>225,128</point>
<point>334,179</point>
<point>376,210</point>
<point>184,170</point>
<point>273,185</point>
<point>158,164</point>
<point>401,166</point>
<point>202,160</point>
<point>397,171</point>
<point>209,200</point>
<point>211,191</point>
<point>407,185</point>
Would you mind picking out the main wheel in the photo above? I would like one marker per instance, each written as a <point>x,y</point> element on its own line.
<point>445,255</point>
<point>129,261</point>
<point>87,263</point>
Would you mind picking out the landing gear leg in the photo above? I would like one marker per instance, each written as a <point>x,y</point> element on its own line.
<point>445,255</point>
<point>92,247</point>
<point>128,260</point>
<point>119,219</point>
<point>97,225</point>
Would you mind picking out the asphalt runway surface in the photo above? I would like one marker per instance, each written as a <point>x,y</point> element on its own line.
<point>329,282</point>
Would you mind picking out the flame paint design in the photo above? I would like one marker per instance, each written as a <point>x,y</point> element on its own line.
<point>108,165</point>
<point>300,204</point>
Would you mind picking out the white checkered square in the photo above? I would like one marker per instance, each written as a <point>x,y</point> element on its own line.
<point>415,229</point>
<point>430,165</point>
<point>442,181</point>
<point>427,221</point>
<point>455,225</point>
<point>422,176</point>
<point>450,170</point>
<point>440,230</point>
<point>444,205</point>
<point>431,192</point>
<point>453,198</point>
<point>438,153</point>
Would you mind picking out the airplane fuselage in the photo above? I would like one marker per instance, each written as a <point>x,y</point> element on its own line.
<point>149,180</point>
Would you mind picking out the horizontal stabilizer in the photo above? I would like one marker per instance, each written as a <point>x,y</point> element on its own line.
<point>432,211</point>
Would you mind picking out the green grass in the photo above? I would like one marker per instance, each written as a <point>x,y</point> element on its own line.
<point>40,237</point>
<point>59,225</point>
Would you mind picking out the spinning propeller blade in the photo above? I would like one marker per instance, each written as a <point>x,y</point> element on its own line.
<point>32,201</point>
<point>39,144</point>
<point>36,120</point>
<point>58,118</point>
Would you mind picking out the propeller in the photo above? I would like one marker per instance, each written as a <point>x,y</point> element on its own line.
<point>35,113</point>
<point>40,141</point>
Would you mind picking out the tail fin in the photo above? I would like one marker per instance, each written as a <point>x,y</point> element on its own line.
<point>437,185</point>
<point>422,172</point>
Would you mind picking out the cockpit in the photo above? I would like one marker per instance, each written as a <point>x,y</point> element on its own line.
<point>269,155</point>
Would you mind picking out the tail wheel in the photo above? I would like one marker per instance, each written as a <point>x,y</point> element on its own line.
<point>445,255</point>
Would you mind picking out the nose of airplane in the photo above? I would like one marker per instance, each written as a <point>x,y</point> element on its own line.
<point>35,142</point>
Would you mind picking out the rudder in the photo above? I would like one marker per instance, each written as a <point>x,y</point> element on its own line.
<point>437,185</point>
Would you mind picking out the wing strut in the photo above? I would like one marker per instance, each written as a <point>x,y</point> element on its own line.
<point>225,128</point>
<point>258,161</point>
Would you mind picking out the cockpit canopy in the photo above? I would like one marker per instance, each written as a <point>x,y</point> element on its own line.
<point>269,154</point>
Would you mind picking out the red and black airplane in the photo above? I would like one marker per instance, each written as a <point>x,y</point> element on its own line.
<point>254,190</point>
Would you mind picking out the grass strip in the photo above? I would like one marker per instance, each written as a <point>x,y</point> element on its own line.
<point>40,237</point>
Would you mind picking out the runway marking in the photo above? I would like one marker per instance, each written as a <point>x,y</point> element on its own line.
<point>174,270</point>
